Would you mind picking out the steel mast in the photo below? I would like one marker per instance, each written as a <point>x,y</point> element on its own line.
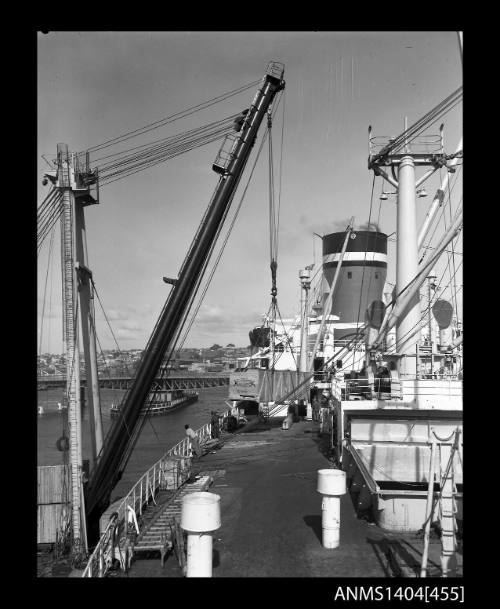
<point>65,178</point>
<point>73,179</point>
<point>403,160</point>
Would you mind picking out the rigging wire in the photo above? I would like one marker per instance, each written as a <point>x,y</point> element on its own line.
<point>224,242</point>
<point>423,315</point>
<point>454,292</point>
<point>160,144</point>
<point>265,135</point>
<point>340,246</point>
<point>364,259</point>
<point>146,164</point>
<point>172,117</point>
<point>281,161</point>
<point>407,335</point>
<point>172,147</point>
<point>45,290</point>
<point>45,204</point>
<point>423,123</point>
<point>104,313</point>
<point>45,209</point>
<point>450,190</point>
<point>137,430</point>
<point>49,220</point>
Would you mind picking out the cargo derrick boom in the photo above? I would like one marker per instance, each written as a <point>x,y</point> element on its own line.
<point>109,466</point>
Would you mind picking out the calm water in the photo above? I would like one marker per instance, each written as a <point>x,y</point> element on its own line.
<point>158,434</point>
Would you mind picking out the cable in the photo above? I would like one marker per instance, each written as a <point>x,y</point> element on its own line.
<point>414,130</point>
<point>104,313</point>
<point>364,259</point>
<point>45,291</point>
<point>173,117</point>
<point>49,219</point>
<point>162,142</point>
<point>423,316</point>
<point>227,234</point>
<point>146,164</point>
<point>225,241</point>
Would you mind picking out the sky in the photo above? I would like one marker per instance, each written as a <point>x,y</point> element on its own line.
<point>94,86</point>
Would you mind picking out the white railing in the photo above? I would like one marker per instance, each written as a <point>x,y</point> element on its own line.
<point>143,491</point>
<point>102,557</point>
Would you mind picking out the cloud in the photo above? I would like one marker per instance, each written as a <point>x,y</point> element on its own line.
<point>113,314</point>
<point>131,325</point>
<point>127,334</point>
<point>217,320</point>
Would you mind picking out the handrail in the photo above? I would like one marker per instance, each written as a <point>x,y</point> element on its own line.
<point>140,494</point>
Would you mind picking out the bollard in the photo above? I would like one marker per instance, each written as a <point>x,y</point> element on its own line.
<point>309,414</point>
<point>331,484</point>
<point>200,518</point>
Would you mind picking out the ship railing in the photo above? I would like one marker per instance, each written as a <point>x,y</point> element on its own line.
<point>100,559</point>
<point>362,389</point>
<point>423,144</point>
<point>140,495</point>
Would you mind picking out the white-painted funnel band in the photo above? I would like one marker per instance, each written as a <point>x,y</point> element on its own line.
<point>356,257</point>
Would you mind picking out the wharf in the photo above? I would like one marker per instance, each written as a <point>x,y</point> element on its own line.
<point>271,515</point>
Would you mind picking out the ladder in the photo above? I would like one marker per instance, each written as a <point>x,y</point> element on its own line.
<point>445,448</point>
<point>162,533</point>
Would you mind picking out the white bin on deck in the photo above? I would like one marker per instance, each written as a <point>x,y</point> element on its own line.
<point>200,517</point>
<point>331,484</point>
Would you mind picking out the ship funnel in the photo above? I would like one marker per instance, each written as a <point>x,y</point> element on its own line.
<point>362,274</point>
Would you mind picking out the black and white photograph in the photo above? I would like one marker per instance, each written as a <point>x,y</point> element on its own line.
<point>249,308</point>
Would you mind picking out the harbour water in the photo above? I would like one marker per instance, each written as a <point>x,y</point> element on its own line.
<point>157,436</point>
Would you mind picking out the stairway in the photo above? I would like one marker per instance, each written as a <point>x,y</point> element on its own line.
<point>157,534</point>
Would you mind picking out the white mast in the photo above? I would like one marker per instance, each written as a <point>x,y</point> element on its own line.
<point>407,252</point>
<point>398,155</point>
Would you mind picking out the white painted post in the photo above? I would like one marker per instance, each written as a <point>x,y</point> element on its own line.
<point>200,517</point>
<point>331,484</point>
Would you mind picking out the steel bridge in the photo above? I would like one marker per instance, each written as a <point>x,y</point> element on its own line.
<point>124,382</point>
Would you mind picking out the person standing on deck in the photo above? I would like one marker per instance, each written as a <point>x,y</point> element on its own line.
<point>195,444</point>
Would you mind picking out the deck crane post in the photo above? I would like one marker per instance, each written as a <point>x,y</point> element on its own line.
<point>110,463</point>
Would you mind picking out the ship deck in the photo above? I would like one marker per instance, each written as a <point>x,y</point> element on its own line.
<point>271,515</point>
